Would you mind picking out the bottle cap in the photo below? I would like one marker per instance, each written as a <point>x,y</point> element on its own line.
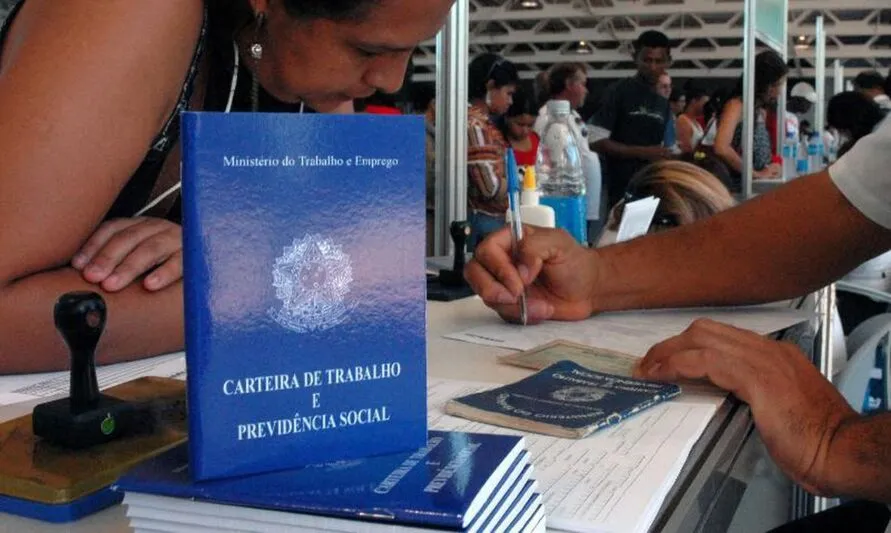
<point>559,107</point>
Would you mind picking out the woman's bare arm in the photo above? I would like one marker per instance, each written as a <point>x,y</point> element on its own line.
<point>84,87</point>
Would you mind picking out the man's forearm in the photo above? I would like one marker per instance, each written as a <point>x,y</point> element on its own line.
<point>780,245</point>
<point>616,149</point>
<point>859,460</point>
<point>140,323</point>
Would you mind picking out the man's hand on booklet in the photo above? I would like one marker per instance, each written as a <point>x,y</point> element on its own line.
<point>797,412</point>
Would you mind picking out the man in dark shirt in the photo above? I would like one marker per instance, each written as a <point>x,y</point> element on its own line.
<point>629,129</point>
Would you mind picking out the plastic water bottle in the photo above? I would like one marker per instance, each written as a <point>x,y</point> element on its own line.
<point>832,149</point>
<point>802,163</point>
<point>815,152</point>
<point>790,156</point>
<point>558,166</point>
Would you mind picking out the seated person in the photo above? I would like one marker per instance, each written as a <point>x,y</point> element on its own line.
<point>686,193</point>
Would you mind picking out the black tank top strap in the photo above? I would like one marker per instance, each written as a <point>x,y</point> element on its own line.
<point>135,194</point>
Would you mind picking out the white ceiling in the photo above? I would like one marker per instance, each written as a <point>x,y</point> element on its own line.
<point>707,34</point>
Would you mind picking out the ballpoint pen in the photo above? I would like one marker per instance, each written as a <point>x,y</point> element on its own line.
<point>516,225</point>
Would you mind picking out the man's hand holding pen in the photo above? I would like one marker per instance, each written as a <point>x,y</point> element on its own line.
<point>557,275</point>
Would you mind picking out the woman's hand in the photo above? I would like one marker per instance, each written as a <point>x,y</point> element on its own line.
<point>124,249</point>
<point>770,172</point>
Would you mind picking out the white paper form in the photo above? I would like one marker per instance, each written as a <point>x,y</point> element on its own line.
<point>631,332</point>
<point>613,481</point>
<point>25,387</point>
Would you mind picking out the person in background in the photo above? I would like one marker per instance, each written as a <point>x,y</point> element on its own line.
<point>770,71</point>
<point>568,81</point>
<point>854,116</point>
<point>664,87</point>
<point>802,99</point>
<point>629,128</point>
<point>872,85</point>
<point>686,193</point>
<point>91,96</point>
<point>805,130</point>
<point>491,83</point>
<point>677,100</point>
<point>540,89</point>
<point>517,127</point>
<point>689,130</point>
<point>783,244</point>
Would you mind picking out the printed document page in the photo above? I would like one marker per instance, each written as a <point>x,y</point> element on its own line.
<point>632,332</point>
<point>26,387</point>
<point>613,481</point>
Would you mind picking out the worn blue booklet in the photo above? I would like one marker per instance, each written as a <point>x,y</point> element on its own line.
<point>447,483</point>
<point>304,282</point>
<point>564,400</point>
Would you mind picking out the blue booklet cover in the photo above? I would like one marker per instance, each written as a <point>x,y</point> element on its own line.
<point>445,483</point>
<point>304,282</point>
<point>564,400</point>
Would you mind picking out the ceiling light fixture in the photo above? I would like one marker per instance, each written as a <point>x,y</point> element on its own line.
<point>530,4</point>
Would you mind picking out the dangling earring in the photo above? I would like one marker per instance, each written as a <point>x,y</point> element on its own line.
<point>489,99</point>
<point>256,51</point>
<point>256,48</point>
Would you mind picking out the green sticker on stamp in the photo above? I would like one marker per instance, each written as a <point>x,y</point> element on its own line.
<point>108,425</point>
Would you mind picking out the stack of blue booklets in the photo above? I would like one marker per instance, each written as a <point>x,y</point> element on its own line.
<point>471,482</point>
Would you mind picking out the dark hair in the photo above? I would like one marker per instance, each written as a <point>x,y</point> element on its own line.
<point>869,80</point>
<point>228,16</point>
<point>854,113</point>
<point>652,39</point>
<point>769,69</point>
<point>523,104</point>
<point>560,74</point>
<point>693,90</point>
<point>422,95</point>
<point>486,67</point>
<point>715,104</point>
<point>676,94</point>
<point>798,105</point>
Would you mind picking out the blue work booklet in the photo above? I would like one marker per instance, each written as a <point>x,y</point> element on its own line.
<point>455,481</point>
<point>564,400</point>
<point>304,288</point>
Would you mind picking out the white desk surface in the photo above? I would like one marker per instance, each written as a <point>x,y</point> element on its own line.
<point>446,359</point>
